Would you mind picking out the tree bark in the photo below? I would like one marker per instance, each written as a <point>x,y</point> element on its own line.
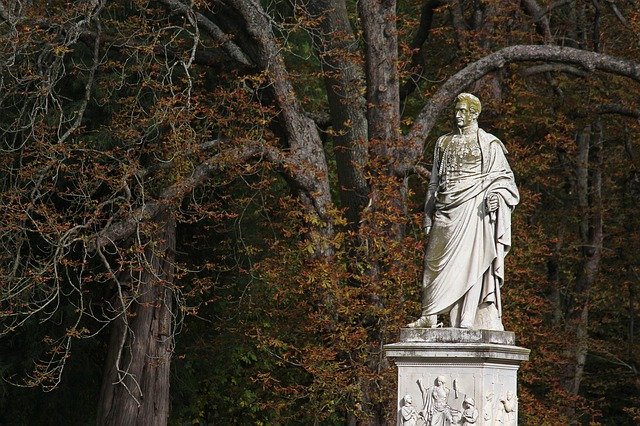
<point>383,91</point>
<point>590,61</point>
<point>303,139</point>
<point>589,188</point>
<point>388,192</point>
<point>427,13</point>
<point>337,49</point>
<point>135,388</point>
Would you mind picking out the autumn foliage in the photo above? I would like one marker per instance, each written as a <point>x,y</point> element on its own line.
<point>216,205</point>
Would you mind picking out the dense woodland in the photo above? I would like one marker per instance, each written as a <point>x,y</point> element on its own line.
<point>211,209</point>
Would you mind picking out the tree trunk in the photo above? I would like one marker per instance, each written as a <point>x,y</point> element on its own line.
<point>310,175</point>
<point>388,192</point>
<point>135,388</point>
<point>337,48</point>
<point>589,183</point>
<point>632,318</point>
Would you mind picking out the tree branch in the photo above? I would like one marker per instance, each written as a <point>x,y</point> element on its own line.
<point>590,61</point>
<point>543,12</point>
<point>88,86</point>
<point>120,230</point>
<point>302,135</point>
<point>301,131</point>
<point>544,68</point>
<point>337,48</point>
<point>232,49</point>
<point>417,58</point>
<point>540,20</point>
<point>616,11</point>
<point>6,14</point>
<point>618,110</point>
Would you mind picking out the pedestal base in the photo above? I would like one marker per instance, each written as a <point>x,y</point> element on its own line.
<point>457,376</point>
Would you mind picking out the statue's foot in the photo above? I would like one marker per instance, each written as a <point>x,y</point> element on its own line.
<point>425,321</point>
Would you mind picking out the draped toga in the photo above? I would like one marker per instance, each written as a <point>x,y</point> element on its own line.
<point>467,244</point>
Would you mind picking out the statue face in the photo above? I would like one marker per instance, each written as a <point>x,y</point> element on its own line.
<point>464,116</point>
<point>408,400</point>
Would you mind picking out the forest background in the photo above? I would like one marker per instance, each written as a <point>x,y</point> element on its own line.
<point>211,210</point>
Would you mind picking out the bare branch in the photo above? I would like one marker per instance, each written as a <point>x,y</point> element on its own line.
<point>616,11</point>
<point>232,49</point>
<point>120,230</point>
<point>540,19</point>
<point>417,46</point>
<point>87,90</point>
<point>590,61</point>
<point>549,8</point>
<point>618,110</point>
<point>6,14</point>
<point>422,171</point>
<point>302,135</point>
<point>417,59</point>
<point>301,131</point>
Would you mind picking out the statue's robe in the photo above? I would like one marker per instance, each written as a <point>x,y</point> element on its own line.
<point>467,244</point>
<point>436,410</point>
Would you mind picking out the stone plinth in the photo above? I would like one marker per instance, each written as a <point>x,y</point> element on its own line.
<point>457,365</point>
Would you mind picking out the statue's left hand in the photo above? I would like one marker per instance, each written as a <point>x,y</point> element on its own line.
<point>492,202</point>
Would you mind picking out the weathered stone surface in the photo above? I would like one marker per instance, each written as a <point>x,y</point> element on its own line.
<point>440,369</point>
<point>457,335</point>
<point>470,198</point>
<point>466,374</point>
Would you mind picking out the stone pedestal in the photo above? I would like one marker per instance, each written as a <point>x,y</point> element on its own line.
<point>457,376</point>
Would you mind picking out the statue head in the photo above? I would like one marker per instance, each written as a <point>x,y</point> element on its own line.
<point>469,402</point>
<point>408,399</point>
<point>440,380</point>
<point>468,109</point>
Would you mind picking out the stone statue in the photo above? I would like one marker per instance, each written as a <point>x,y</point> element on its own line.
<point>470,413</point>
<point>436,410</point>
<point>508,410</point>
<point>470,198</point>
<point>408,412</point>
<point>488,408</point>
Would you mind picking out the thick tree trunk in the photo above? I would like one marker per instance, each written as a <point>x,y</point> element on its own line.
<point>383,90</point>
<point>344,82</point>
<point>135,388</point>
<point>384,218</point>
<point>388,192</point>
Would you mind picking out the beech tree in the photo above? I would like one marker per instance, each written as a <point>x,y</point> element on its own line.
<point>124,122</point>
